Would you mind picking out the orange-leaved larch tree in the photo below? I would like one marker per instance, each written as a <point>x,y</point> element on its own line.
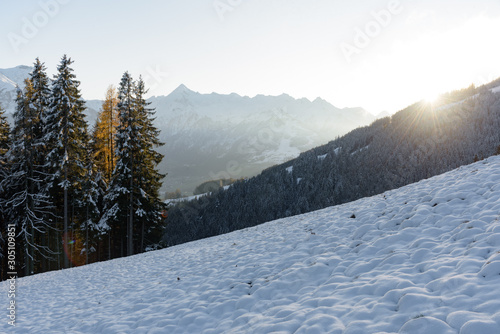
<point>104,134</point>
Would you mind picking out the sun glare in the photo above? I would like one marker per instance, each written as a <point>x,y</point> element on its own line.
<point>431,98</point>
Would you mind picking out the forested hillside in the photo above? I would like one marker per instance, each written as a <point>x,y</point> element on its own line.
<point>418,142</point>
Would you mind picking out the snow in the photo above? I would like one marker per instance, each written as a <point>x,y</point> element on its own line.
<point>496,89</point>
<point>9,79</point>
<point>289,169</point>
<point>322,157</point>
<point>453,104</point>
<point>185,199</point>
<point>421,259</point>
<point>360,150</point>
<point>14,76</point>
<point>190,198</point>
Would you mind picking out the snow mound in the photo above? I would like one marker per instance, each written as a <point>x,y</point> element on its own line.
<point>421,259</point>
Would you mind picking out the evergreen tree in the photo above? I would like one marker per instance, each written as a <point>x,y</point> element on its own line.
<point>39,101</point>
<point>119,197</point>
<point>148,179</point>
<point>4,147</point>
<point>132,205</point>
<point>25,204</point>
<point>4,136</point>
<point>93,191</point>
<point>66,138</point>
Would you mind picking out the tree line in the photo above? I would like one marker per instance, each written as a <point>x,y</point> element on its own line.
<point>421,141</point>
<point>77,195</point>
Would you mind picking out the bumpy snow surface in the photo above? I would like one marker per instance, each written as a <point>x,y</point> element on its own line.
<point>421,259</point>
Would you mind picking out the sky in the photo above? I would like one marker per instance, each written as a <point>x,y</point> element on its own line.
<point>380,55</point>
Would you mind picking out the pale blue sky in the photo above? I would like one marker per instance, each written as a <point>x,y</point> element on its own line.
<point>306,48</point>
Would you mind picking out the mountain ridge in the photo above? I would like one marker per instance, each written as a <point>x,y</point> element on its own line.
<point>418,142</point>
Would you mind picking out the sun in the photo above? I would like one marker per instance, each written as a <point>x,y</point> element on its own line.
<point>431,97</point>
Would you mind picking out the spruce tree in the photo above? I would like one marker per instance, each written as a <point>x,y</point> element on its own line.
<point>149,180</point>
<point>4,136</point>
<point>66,138</point>
<point>132,205</point>
<point>25,204</point>
<point>117,201</point>
<point>4,172</point>
<point>39,101</point>
<point>93,192</point>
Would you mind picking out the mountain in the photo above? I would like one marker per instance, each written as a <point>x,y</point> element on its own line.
<point>12,77</point>
<point>9,79</point>
<point>214,136</point>
<point>418,142</point>
<point>420,259</point>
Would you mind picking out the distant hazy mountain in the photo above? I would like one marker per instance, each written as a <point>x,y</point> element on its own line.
<point>12,77</point>
<point>418,142</point>
<point>9,79</point>
<point>213,136</point>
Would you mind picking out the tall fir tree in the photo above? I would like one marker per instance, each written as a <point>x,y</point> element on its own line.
<point>94,189</point>
<point>117,202</point>
<point>148,178</point>
<point>39,101</point>
<point>66,138</point>
<point>4,172</point>
<point>25,204</point>
<point>132,207</point>
<point>4,136</point>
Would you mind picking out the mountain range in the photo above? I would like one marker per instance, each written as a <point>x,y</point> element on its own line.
<point>213,136</point>
<point>418,142</point>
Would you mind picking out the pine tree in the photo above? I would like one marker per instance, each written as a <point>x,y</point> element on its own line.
<point>132,207</point>
<point>39,101</point>
<point>149,180</point>
<point>93,192</point>
<point>4,135</point>
<point>4,147</point>
<point>118,199</point>
<point>25,204</point>
<point>66,137</point>
<point>104,134</point>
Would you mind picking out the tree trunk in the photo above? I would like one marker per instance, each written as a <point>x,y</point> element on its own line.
<point>65,214</point>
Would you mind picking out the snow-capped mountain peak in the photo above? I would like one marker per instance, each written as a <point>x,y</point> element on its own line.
<point>182,91</point>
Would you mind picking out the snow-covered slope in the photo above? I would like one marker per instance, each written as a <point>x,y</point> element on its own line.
<point>421,259</point>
